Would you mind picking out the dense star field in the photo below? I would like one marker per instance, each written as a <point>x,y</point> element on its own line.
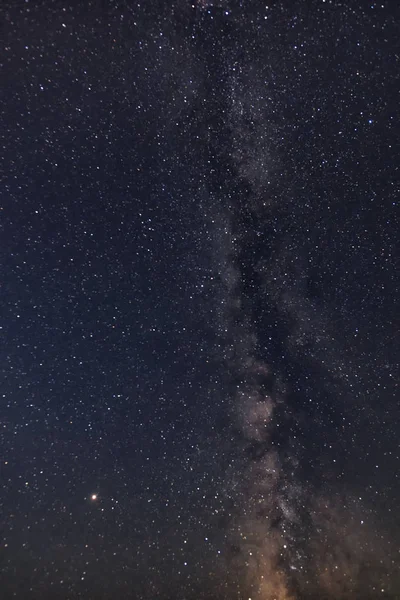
<point>199,300</point>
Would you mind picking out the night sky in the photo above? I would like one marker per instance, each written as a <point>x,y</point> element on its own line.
<point>199,300</point>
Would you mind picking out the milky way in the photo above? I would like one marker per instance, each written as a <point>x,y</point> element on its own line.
<point>297,532</point>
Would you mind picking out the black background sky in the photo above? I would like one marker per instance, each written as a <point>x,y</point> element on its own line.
<point>199,313</point>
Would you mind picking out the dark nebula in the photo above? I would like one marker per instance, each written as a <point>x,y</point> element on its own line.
<point>199,307</point>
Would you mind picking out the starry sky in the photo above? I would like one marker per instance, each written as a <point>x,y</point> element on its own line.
<point>199,300</point>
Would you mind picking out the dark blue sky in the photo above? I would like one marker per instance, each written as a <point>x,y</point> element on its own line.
<point>199,306</point>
